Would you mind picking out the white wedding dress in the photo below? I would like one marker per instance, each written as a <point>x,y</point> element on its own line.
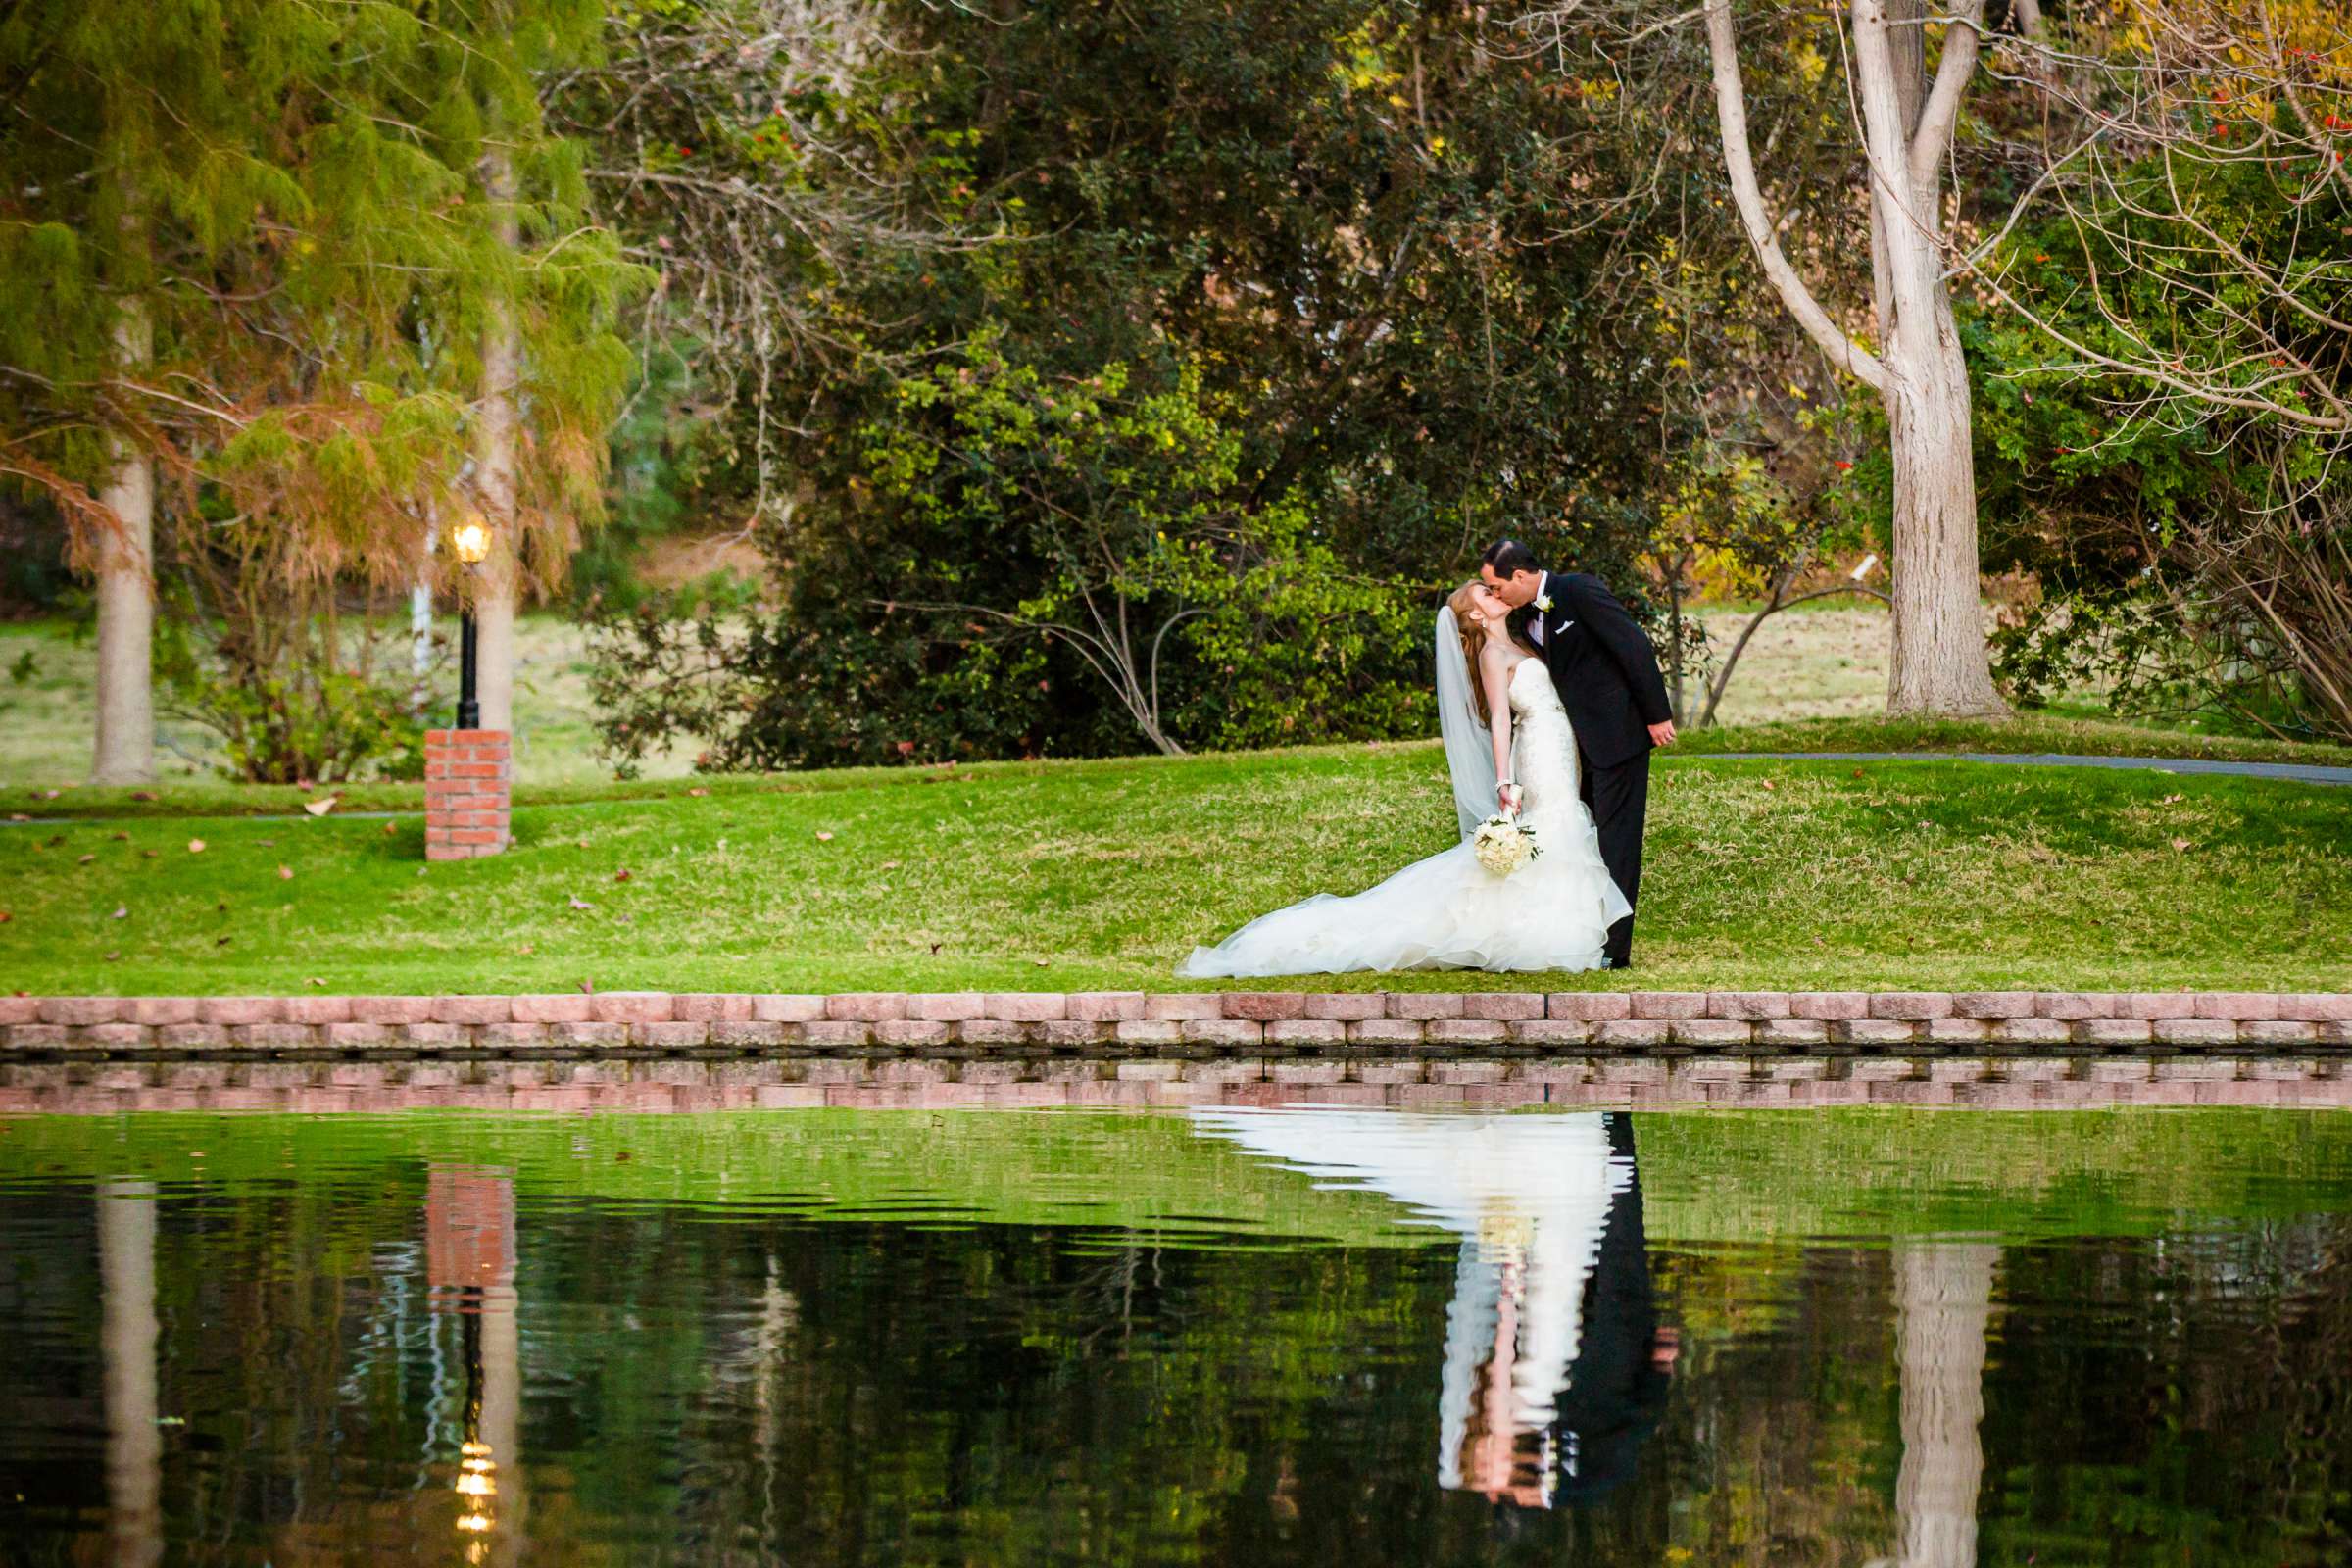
<point>1448,911</point>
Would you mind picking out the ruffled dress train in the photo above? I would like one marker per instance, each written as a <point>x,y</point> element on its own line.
<point>1448,911</point>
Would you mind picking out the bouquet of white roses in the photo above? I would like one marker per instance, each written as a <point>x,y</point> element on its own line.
<point>1503,845</point>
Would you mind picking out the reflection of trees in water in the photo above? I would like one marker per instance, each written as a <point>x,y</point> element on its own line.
<point>2196,1389</point>
<point>127,1331</point>
<point>1942,1303</point>
<point>769,1388</point>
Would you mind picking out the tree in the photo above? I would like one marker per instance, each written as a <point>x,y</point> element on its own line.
<point>2165,353</point>
<point>1920,370</point>
<point>541,309</point>
<point>134,157</point>
<point>246,258</point>
<point>1376,236</point>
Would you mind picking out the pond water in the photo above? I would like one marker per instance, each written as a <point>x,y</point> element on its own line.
<point>1240,1335</point>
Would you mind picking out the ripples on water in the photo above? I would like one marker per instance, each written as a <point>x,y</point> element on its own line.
<point>1329,1335</point>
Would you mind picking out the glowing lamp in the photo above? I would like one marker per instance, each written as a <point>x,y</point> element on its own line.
<point>470,540</point>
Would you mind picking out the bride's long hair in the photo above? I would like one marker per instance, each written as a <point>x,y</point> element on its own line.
<point>1472,621</point>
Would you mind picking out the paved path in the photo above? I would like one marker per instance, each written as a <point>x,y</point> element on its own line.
<point>2294,772</point>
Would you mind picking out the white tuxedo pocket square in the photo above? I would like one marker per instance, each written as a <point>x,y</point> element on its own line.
<point>1563,626</point>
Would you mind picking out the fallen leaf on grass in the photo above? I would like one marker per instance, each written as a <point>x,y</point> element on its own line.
<point>698,791</point>
<point>285,873</point>
<point>579,902</point>
<point>149,854</point>
<point>220,942</point>
<point>322,808</point>
<point>1770,785</point>
<point>2181,844</point>
<point>142,795</point>
<point>890,865</point>
<point>825,837</point>
<point>114,957</point>
<point>588,986</point>
<point>85,859</point>
<point>195,845</point>
<point>622,875</point>
<point>314,981</point>
<point>120,838</point>
<point>266,844</point>
<point>525,951</point>
<point>122,912</point>
<point>5,916</point>
<point>2170,798</point>
<point>391,828</point>
<point>19,816</point>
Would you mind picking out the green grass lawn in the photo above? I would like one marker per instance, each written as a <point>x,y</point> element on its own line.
<point>1064,875</point>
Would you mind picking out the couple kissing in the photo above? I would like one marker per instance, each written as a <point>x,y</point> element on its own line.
<point>1549,700</point>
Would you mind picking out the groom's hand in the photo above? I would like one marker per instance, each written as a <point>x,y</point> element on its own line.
<point>1662,734</point>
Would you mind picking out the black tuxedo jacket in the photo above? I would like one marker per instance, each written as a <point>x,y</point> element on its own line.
<point>1602,665</point>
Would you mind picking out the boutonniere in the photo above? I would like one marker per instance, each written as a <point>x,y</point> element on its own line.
<point>1544,603</point>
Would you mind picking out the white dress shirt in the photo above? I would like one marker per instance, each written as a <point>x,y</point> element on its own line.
<point>1535,627</point>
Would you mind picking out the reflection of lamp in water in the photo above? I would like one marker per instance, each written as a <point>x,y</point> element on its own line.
<point>470,1260</point>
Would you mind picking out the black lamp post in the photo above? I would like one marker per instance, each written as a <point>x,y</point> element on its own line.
<point>472,543</point>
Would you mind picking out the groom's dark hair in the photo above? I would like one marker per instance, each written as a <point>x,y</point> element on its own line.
<point>1509,558</point>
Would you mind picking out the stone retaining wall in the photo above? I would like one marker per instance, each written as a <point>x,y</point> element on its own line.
<point>1190,1025</point>
<point>671,1084</point>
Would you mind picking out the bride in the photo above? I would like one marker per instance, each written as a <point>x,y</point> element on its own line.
<point>1508,743</point>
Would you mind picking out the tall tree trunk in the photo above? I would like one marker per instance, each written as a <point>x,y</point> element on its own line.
<point>495,580</point>
<point>1942,1303</point>
<point>1940,664</point>
<point>124,744</point>
<point>126,1335</point>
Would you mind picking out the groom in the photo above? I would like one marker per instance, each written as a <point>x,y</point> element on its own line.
<point>1607,676</point>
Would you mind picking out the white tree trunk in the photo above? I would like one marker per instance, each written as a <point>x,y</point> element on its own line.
<point>1940,664</point>
<point>495,580</point>
<point>1942,1303</point>
<point>124,752</point>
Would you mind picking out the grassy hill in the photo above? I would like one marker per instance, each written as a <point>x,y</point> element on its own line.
<point>1056,875</point>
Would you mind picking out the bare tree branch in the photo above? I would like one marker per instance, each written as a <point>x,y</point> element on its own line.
<point>1731,105</point>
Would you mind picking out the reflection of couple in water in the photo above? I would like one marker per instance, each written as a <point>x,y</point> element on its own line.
<point>1555,1363</point>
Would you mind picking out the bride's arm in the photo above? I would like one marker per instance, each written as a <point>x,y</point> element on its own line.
<point>1494,674</point>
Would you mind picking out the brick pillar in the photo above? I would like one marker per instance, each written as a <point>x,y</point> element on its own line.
<point>468,781</point>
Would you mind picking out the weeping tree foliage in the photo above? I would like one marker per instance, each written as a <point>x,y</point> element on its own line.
<point>248,268</point>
